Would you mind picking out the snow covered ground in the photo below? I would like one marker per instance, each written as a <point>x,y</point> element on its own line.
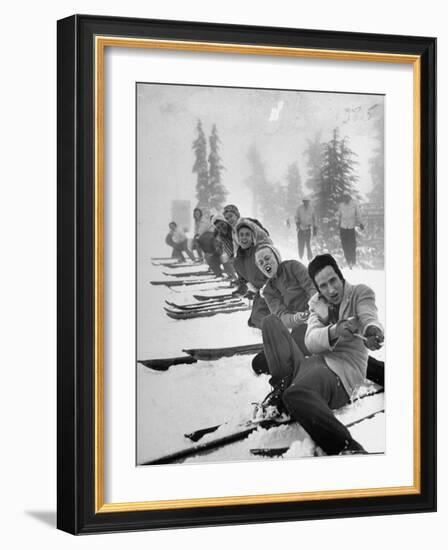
<point>189,397</point>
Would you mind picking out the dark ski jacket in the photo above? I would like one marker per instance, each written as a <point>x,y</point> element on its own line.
<point>289,291</point>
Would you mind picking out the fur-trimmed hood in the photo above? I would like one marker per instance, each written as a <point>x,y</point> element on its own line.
<point>259,236</point>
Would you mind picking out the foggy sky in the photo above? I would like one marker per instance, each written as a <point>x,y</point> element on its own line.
<point>277,122</point>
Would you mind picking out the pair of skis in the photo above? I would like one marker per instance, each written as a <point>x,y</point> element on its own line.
<point>201,354</point>
<point>195,281</point>
<point>241,431</point>
<point>206,312</point>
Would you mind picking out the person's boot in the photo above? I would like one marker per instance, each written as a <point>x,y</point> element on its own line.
<point>272,405</point>
<point>352,447</point>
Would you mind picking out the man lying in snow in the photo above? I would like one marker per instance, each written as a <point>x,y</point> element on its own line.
<point>342,326</point>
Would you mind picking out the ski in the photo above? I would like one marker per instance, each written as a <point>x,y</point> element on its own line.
<point>174,264</point>
<point>165,364</point>
<point>213,307</point>
<point>204,297</point>
<point>240,432</point>
<point>211,354</point>
<point>198,281</point>
<point>277,452</point>
<point>204,354</point>
<point>215,287</point>
<point>197,434</point>
<point>181,265</point>
<point>202,273</point>
<point>204,313</point>
<point>201,305</point>
<point>210,445</point>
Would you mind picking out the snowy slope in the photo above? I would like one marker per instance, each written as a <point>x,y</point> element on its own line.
<point>189,397</point>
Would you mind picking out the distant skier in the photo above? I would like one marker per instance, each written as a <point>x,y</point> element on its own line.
<point>177,239</point>
<point>349,216</point>
<point>305,223</point>
<point>343,325</point>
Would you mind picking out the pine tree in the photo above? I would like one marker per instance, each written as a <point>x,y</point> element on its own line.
<point>376,195</point>
<point>337,178</point>
<point>257,181</point>
<point>200,166</point>
<point>314,153</point>
<point>293,190</point>
<point>217,191</point>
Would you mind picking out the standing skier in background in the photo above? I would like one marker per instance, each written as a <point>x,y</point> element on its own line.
<point>349,216</point>
<point>305,222</point>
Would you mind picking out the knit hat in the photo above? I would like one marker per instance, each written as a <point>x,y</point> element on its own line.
<point>232,208</point>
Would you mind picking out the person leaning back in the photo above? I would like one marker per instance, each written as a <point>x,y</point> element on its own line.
<point>343,325</point>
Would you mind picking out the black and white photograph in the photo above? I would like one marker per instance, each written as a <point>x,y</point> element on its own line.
<point>260,274</point>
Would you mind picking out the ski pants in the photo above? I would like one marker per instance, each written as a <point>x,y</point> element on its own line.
<point>348,241</point>
<point>304,239</point>
<point>312,389</point>
<point>196,246</point>
<point>179,248</point>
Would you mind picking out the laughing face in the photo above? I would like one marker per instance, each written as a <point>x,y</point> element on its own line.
<point>245,238</point>
<point>266,262</point>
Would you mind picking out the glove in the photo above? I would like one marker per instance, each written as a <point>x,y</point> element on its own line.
<point>252,288</point>
<point>314,231</point>
<point>361,226</point>
<point>300,317</point>
<point>374,338</point>
<point>345,328</point>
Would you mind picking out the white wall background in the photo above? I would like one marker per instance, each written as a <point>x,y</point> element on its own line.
<point>28,273</point>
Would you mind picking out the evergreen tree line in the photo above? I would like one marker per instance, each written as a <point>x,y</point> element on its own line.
<point>331,174</point>
<point>210,191</point>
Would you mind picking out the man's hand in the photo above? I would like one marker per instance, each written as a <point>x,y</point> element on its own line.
<point>374,338</point>
<point>343,329</point>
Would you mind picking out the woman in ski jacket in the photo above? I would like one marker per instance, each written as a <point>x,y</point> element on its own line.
<point>249,235</point>
<point>224,235</point>
<point>232,215</point>
<point>288,288</point>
